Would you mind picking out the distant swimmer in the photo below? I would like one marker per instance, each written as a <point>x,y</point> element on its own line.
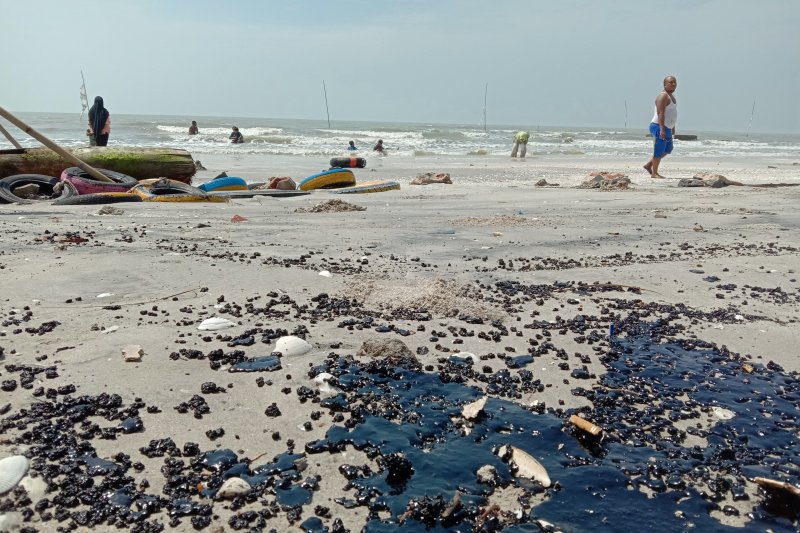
<point>236,136</point>
<point>99,123</point>
<point>662,126</point>
<point>379,147</point>
<point>193,128</point>
<point>520,144</point>
<point>352,147</point>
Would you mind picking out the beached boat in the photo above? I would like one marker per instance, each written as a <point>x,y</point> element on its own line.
<point>140,163</point>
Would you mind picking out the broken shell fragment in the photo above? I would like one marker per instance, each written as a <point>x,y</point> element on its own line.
<point>233,488</point>
<point>322,380</point>
<point>586,426</point>
<point>214,323</point>
<point>527,466</point>
<point>723,414</point>
<point>290,346</point>
<point>473,410</point>
<point>12,470</point>
<point>132,353</point>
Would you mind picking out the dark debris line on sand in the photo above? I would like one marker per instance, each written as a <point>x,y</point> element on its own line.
<point>654,402</point>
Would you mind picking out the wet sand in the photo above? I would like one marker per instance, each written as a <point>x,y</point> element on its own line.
<point>435,249</point>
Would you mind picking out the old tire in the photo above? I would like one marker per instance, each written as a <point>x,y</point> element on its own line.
<point>99,199</point>
<point>48,185</point>
<point>85,184</point>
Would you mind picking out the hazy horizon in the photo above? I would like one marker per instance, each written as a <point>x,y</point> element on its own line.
<point>571,64</point>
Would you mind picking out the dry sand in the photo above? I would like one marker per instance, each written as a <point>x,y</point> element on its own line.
<point>165,268</point>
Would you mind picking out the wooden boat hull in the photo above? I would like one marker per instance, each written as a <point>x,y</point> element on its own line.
<point>140,163</point>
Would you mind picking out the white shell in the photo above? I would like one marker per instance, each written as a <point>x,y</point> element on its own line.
<point>290,346</point>
<point>325,274</point>
<point>323,386</point>
<point>12,470</point>
<point>214,323</point>
<point>473,409</point>
<point>466,355</point>
<point>105,294</point>
<point>232,488</point>
<point>529,467</point>
<point>723,414</point>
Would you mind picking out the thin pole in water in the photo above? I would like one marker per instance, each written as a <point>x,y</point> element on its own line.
<point>753,112</point>
<point>485,94</point>
<point>325,91</point>
<point>626,114</point>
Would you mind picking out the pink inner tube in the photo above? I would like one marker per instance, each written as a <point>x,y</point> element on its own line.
<point>91,186</point>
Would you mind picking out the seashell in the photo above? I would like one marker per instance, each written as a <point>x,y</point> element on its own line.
<point>467,355</point>
<point>111,329</point>
<point>472,410</point>
<point>723,414</point>
<point>290,346</point>
<point>214,323</point>
<point>529,467</point>
<point>325,274</point>
<point>232,488</point>
<point>105,294</point>
<point>323,386</point>
<point>12,470</point>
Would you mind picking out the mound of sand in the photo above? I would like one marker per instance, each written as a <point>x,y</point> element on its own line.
<point>330,206</point>
<point>439,297</point>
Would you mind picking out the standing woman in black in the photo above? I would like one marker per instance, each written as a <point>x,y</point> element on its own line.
<point>99,122</point>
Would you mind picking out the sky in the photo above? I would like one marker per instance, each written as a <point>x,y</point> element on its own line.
<point>557,63</point>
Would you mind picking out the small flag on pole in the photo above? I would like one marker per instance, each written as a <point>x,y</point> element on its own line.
<point>84,98</point>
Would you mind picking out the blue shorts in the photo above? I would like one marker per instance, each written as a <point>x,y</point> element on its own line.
<point>661,147</point>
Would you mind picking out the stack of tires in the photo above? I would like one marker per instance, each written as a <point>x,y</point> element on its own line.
<point>78,187</point>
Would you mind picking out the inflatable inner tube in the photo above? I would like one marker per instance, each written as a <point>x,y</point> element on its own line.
<point>227,183</point>
<point>348,162</point>
<point>165,190</point>
<point>330,179</point>
<point>99,199</point>
<point>370,186</point>
<point>85,184</point>
<point>47,188</point>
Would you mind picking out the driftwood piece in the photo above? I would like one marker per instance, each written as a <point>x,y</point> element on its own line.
<point>140,163</point>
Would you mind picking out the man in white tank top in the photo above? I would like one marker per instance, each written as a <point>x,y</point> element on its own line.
<point>662,127</point>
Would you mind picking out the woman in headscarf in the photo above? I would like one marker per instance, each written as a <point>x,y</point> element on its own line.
<point>99,122</point>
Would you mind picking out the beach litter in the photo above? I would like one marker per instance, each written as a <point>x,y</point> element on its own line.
<point>606,181</point>
<point>331,206</point>
<point>237,218</point>
<point>431,177</point>
<point>705,179</point>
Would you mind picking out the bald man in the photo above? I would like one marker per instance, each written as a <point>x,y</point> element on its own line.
<point>662,127</point>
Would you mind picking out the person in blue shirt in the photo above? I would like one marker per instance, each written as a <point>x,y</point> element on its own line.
<point>352,147</point>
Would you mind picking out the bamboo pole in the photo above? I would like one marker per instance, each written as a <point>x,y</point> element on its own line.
<point>9,137</point>
<point>777,485</point>
<point>53,146</point>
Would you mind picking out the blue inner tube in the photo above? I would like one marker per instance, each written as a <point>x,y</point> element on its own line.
<point>221,183</point>
<point>329,179</point>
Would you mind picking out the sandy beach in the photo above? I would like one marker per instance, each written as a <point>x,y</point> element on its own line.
<point>491,265</point>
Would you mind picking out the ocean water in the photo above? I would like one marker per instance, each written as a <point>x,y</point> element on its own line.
<point>289,137</point>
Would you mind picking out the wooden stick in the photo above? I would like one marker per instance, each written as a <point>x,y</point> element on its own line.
<point>586,426</point>
<point>10,138</point>
<point>777,485</point>
<point>53,146</point>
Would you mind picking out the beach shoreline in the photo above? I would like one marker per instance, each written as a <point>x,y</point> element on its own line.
<point>447,250</point>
